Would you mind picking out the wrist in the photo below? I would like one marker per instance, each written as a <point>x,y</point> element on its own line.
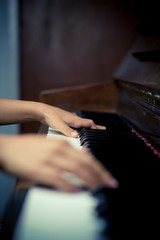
<point>41,112</point>
<point>33,111</point>
<point>45,113</point>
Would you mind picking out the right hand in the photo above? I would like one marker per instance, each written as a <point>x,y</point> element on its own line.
<point>43,161</point>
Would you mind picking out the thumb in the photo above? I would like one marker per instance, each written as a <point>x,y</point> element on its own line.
<point>68,131</point>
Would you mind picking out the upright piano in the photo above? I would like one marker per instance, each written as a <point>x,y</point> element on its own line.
<point>129,148</point>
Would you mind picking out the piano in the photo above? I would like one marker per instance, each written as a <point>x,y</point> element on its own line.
<point>129,148</point>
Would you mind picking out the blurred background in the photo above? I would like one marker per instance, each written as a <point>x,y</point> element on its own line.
<point>49,44</point>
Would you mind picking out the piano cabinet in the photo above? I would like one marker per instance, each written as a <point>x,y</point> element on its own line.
<point>134,148</point>
<point>93,97</point>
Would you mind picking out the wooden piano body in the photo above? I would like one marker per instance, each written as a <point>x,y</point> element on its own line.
<point>134,92</point>
<point>134,95</point>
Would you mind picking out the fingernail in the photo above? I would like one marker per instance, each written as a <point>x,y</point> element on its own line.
<point>85,149</point>
<point>74,134</point>
<point>112,182</point>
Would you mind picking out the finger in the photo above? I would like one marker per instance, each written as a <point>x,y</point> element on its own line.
<point>52,177</point>
<point>71,160</point>
<point>84,149</point>
<point>107,178</point>
<point>81,123</point>
<point>84,166</point>
<point>87,123</point>
<point>100,127</point>
<point>94,174</point>
<point>67,130</point>
<point>80,172</point>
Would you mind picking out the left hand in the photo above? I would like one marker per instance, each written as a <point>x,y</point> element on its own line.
<point>65,121</point>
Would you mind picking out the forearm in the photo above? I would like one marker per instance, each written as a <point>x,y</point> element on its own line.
<point>17,111</point>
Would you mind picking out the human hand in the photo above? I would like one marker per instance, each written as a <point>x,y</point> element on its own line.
<point>18,111</point>
<point>65,121</point>
<point>44,161</point>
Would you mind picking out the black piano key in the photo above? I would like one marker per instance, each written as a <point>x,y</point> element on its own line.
<point>96,136</point>
<point>93,131</point>
<point>110,120</point>
<point>129,211</point>
<point>95,139</point>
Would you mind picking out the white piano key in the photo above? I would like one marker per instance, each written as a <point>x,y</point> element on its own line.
<point>49,215</point>
<point>75,142</point>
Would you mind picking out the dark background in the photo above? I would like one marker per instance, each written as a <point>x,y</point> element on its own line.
<point>70,43</point>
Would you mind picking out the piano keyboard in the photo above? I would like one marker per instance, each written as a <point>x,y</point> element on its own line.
<point>85,138</point>
<point>105,214</point>
<point>75,142</point>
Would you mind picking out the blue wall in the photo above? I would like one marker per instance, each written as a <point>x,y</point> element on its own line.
<point>9,81</point>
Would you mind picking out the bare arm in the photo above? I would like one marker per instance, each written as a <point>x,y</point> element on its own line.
<point>17,111</point>
<point>42,160</point>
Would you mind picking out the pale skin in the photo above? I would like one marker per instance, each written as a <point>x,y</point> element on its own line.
<point>41,160</point>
